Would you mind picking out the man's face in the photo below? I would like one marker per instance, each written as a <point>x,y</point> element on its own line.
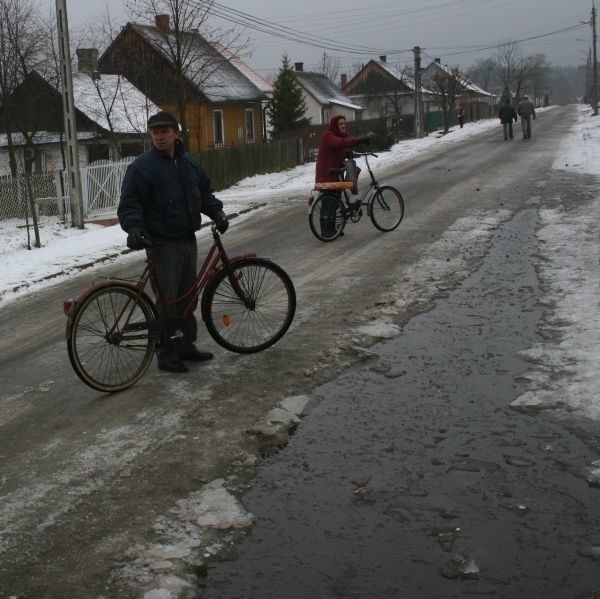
<point>164,138</point>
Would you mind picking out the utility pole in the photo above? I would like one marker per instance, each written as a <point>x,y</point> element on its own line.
<point>418,99</point>
<point>66,77</point>
<point>588,78</point>
<point>594,65</point>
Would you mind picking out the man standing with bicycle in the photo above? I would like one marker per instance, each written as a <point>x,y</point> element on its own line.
<point>163,194</point>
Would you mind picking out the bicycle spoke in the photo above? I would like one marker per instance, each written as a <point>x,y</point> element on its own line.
<point>261,317</point>
<point>103,356</point>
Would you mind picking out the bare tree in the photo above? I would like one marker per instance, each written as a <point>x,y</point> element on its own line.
<point>191,61</point>
<point>508,58</point>
<point>484,72</point>
<point>388,97</point>
<point>539,71</point>
<point>445,83</point>
<point>329,66</point>
<point>21,46</point>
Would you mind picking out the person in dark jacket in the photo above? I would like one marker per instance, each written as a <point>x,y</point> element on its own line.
<point>163,194</point>
<point>333,149</point>
<point>526,111</point>
<point>507,114</point>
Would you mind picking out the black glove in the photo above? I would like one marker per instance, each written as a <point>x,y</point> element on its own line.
<point>363,139</point>
<point>138,239</point>
<point>221,221</point>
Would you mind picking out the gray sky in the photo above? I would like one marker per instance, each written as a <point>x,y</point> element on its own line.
<point>449,29</point>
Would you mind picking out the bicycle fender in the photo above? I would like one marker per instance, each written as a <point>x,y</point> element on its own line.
<point>71,306</point>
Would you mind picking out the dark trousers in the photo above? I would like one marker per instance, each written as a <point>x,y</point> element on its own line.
<point>526,126</point>
<point>176,266</point>
<point>508,130</point>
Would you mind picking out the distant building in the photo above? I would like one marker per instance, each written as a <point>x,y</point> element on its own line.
<point>324,99</point>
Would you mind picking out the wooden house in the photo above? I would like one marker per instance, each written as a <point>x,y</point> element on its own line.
<point>476,102</point>
<point>221,98</point>
<point>384,90</point>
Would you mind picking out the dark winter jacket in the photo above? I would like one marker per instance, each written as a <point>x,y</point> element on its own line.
<point>332,151</point>
<point>165,196</point>
<point>507,113</point>
<point>526,109</point>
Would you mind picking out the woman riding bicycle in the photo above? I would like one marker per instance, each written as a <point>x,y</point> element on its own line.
<point>335,145</point>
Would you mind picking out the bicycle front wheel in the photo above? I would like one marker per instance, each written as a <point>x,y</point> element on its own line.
<point>109,343</point>
<point>386,208</point>
<point>258,319</point>
<point>326,217</point>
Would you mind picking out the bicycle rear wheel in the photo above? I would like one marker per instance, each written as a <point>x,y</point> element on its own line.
<point>108,341</point>
<point>254,325</point>
<point>386,208</point>
<point>326,217</point>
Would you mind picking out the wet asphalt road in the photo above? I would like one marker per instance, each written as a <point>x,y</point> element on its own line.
<point>91,485</point>
<point>411,477</point>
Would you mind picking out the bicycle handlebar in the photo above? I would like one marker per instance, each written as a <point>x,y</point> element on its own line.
<point>364,154</point>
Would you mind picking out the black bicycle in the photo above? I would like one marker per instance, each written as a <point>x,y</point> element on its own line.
<point>332,208</point>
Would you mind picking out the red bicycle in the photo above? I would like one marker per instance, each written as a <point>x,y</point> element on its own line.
<point>113,328</point>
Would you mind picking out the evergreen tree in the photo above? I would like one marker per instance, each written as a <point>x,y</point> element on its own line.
<point>288,106</point>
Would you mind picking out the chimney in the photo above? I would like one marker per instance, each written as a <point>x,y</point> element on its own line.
<point>343,80</point>
<point>162,22</point>
<point>299,66</point>
<point>87,60</point>
<point>383,58</point>
<point>438,60</point>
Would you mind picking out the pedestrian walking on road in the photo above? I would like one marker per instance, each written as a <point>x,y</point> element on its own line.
<point>526,111</point>
<point>460,116</point>
<point>163,194</point>
<point>507,114</point>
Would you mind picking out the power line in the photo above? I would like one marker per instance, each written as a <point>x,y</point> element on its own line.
<point>294,35</point>
<point>469,49</point>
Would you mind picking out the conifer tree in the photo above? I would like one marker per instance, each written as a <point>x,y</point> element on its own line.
<point>288,106</point>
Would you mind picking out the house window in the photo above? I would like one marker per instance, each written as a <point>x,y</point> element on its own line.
<point>250,125</point>
<point>218,127</point>
<point>132,149</point>
<point>39,164</point>
<point>98,152</point>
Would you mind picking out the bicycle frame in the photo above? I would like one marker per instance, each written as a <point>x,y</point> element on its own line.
<point>365,195</point>
<point>373,183</point>
<point>215,260</point>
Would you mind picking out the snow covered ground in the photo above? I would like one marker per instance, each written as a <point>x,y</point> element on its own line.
<point>572,276</point>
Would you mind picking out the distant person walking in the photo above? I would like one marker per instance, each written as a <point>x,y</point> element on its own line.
<point>460,116</point>
<point>526,111</point>
<point>507,114</point>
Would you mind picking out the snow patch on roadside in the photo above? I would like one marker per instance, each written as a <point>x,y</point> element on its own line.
<point>564,365</point>
<point>188,539</point>
<point>564,371</point>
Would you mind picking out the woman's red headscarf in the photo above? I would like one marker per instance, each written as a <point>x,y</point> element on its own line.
<point>333,126</point>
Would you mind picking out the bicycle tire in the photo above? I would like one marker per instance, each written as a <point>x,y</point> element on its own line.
<point>327,217</point>
<point>107,361</point>
<point>240,328</point>
<point>386,208</point>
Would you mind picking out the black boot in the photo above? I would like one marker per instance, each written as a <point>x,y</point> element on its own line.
<point>193,354</point>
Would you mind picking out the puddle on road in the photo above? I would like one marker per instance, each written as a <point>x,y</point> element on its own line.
<point>411,477</point>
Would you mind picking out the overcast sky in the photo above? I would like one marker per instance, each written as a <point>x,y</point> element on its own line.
<point>449,29</point>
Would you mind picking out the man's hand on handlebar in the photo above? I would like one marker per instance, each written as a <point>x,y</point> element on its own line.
<point>138,239</point>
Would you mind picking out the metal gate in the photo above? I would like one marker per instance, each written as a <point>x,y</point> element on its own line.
<point>101,186</point>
